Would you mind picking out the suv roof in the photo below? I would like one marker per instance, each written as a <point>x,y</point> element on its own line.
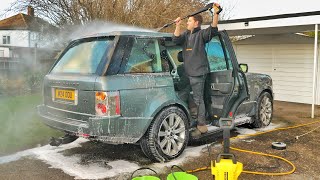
<point>129,33</point>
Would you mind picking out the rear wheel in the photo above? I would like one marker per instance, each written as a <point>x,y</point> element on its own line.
<point>167,136</point>
<point>264,112</point>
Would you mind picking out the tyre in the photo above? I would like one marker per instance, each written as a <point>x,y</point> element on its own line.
<point>264,112</point>
<point>167,135</point>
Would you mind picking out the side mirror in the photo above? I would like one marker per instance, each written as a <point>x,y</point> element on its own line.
<point>243,67</point>
<point>180,57</point>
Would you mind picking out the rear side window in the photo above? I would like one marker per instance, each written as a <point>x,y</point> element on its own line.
<point>83,57</point>
<point>144,57</point>
<point>216,57</point>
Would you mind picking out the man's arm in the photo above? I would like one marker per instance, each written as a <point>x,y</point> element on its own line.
<point>178,38</point>
<point>215,17</point>
<point>212,30</point>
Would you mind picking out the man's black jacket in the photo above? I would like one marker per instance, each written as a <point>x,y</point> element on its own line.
<point>193,52</point>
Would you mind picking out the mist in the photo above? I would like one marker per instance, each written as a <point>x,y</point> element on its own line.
<point>21,87</point>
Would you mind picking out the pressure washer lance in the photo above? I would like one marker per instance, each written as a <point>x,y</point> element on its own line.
<point>226,166</point>
<point>207,7</point>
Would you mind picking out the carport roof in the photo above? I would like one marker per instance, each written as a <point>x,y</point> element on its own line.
<point>276,24</point>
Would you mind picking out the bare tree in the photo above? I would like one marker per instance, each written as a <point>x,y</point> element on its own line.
<point>144,13</point>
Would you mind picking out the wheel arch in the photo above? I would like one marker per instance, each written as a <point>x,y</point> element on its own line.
<point>268,90</point>
<point>162,107</point>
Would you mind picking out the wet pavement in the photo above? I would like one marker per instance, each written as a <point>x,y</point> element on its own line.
<point>94,160</point>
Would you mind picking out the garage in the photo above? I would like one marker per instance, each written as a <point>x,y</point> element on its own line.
<point>277,45</point>
<point>288,59</point>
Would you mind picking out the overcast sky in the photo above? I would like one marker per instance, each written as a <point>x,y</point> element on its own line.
<point>3,5</point>
<point>256,8</point>
<point>249,8</point>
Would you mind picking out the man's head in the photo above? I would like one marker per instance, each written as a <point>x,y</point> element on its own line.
<point>194,21</point>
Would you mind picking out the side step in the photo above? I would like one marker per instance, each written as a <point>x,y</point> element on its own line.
<point>62,140</point>
<point>214,129</point>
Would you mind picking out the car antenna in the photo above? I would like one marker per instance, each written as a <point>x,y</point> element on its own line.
<point>207,7</point>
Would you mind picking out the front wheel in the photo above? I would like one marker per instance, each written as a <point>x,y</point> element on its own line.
<point>167,135</point>
<point>264,112</point>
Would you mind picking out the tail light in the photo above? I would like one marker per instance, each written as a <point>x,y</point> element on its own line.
<point>107,103</point>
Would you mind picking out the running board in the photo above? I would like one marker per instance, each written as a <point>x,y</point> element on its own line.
<point>214,129</point>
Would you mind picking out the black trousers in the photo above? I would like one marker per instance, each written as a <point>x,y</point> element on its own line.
<point>197,84</point>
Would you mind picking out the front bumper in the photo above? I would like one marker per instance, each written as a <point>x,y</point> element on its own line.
<point>113,130</point>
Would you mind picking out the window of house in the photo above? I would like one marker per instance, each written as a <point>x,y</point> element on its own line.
<point>216,56</point>
<point>144,57</point>
<point>1,53</point>
<point>5,39</point>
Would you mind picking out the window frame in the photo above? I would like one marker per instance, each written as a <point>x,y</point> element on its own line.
<point>6,39</point>
<point>1,53</point>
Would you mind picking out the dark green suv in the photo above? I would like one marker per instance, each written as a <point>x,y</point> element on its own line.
<point>125,87</point>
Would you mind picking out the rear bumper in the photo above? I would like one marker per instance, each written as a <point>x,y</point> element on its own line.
<point>113,130</point>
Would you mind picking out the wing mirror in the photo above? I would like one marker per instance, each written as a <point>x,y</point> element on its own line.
<point>243,67</point>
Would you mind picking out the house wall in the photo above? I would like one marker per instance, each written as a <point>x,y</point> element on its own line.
<point>4,52</point>
<point>17,37</point>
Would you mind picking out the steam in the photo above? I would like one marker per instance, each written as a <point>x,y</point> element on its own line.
<point>103,27</point>
<point>95,27</point>
<point>18,110</point>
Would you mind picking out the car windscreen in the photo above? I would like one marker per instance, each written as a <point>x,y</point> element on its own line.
<point>84,56</point>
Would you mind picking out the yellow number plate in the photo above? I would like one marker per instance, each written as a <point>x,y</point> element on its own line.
<point>65,94</point>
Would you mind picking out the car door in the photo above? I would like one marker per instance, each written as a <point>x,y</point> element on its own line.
<point>226,86</point>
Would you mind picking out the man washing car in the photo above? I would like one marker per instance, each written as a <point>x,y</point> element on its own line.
<point>196,64</point>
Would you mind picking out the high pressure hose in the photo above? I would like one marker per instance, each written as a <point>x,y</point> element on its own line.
<point>263,154</point>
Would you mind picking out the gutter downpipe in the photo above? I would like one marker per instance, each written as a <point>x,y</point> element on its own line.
<point>315,68</point>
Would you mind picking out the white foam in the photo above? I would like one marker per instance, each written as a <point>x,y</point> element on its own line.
<point>71,165</point>
<point>35,151</point>
<point>54,157</point>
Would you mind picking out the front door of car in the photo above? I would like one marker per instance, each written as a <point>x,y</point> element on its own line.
<point>226,86</point>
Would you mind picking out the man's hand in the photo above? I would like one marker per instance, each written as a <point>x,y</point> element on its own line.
<point>178,21</point>
<point>217,8</point>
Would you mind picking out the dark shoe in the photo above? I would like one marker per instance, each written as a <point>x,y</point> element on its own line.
<point>202,128</point>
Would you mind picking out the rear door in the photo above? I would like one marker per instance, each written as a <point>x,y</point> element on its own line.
<point>142,77</point>
<point>226,86</point>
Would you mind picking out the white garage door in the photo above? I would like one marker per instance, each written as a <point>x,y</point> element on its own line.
<point>289,65</point>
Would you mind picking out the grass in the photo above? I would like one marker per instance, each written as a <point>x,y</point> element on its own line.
<point>20,126</point>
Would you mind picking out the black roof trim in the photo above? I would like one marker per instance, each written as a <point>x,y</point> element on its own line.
<point>270,17</point>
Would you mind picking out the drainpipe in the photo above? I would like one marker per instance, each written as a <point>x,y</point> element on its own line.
<point>315,65</point>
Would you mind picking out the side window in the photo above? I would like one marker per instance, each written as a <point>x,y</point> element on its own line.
<point>144,57</point>
<point>216,56</point>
